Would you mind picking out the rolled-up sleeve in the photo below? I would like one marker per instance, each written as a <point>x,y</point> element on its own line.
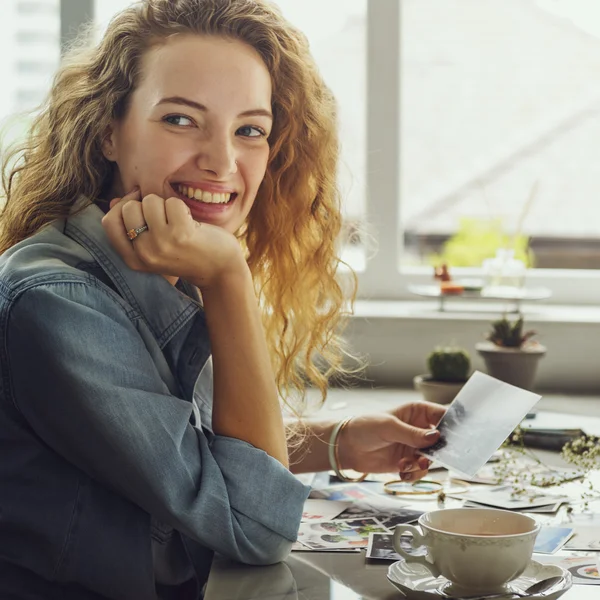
<point>86,383</point>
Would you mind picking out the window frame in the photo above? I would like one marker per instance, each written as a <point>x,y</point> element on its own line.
<point>384,278</point>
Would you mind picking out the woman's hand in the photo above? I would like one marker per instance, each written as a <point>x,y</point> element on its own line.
<point>174,244</point>
<point>387,442</point>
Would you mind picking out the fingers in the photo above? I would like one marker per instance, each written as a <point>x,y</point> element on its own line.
<point>435,412</point>
<point>419,414</point>
<point>411,465</point>
<point>177,211</point>
<point>415,437</point>
<point>413,468</point>
<point>179,215</point>
<point>134,194</point>
<point>413,476</point>
<point>116,229</point>
<point>133,215</point>
<point>424,463</point>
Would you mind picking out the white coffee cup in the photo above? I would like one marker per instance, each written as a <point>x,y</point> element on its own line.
<point>478,550</point>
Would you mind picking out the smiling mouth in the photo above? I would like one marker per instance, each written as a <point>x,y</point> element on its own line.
<point>204,196</point>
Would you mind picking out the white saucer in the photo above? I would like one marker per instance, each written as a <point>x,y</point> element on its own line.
<point>417,583</point>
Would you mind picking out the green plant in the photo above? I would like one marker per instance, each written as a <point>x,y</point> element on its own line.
<point>509,335</point>
<point>449,363</point>
<point>478,239</point>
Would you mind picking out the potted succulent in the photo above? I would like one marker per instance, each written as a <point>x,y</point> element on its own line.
<point>449,368</point>
<point>510,354</point>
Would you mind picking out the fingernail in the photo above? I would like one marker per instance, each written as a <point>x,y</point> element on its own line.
<point>431,433</point>
<point>408,466</point>
<point>405,476</point>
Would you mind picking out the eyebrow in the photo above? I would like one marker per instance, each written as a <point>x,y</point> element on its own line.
<point>254,112</point>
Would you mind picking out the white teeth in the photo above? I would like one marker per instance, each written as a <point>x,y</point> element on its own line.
<point>203,196</point>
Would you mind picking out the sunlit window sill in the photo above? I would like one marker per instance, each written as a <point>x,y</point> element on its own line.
<point>479,311</point>
<point>396,337</point>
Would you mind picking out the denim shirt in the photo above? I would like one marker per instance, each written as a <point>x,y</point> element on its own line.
<point>103,452</point>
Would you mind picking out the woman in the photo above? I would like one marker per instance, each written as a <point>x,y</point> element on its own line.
<point>146,339</point>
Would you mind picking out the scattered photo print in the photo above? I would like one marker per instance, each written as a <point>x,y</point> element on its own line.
<point>586,573</point>
<point>381,547</point>
<point>585,569</point>
<point>339,534</point>
<point>407,516</point>
<point>503,497</point>
<point>322,510</point>
<point>300,547</point>
<point>586,531</point>
<point>362,510</point>
<point>584,538</point>
<point>551,539</point>
<point>350,492</point>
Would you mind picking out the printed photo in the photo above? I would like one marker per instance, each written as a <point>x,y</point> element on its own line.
<point>584,569</point>
<point>350,492</point>
<point>504,497</point>
<point>551,539</point>
<point>407,516</point>
<point>473,428</point>
<point>385,514</point>
<point>381,547</point>
<point>322,510</point>
<point>339,534</point>
<point>584,538</point>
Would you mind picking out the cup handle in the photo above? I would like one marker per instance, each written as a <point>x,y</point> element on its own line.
<point>416,542</point>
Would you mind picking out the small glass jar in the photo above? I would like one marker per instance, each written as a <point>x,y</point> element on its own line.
<point>504,270</point>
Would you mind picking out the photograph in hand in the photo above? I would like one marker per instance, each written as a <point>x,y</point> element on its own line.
<point>481,417</point>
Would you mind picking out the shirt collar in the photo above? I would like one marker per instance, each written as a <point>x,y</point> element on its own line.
<point>165,308</point>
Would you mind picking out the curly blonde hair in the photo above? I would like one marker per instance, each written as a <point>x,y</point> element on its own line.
<point>291,233</point>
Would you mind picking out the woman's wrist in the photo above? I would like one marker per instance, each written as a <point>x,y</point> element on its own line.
<point>237,275</point>
<point>336,461</point>
<point>344,454</point>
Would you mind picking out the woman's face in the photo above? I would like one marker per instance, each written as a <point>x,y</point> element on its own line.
<point>197,128</point>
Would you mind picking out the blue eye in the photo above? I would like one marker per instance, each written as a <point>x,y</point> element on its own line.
<point>176,120</point>
<point>250,131</point>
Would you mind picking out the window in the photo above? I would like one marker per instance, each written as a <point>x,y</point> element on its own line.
<point>498,117</point>
<point>500,125</point>
<point>30,46</point>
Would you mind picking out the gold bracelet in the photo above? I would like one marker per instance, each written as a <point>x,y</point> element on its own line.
<point>389,489</point>
<point>334,457</point>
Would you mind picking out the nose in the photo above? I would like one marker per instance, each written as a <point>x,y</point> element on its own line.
<point>218,156</point>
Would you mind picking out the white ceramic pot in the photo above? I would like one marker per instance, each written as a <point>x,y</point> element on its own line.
<point>517,366</point>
